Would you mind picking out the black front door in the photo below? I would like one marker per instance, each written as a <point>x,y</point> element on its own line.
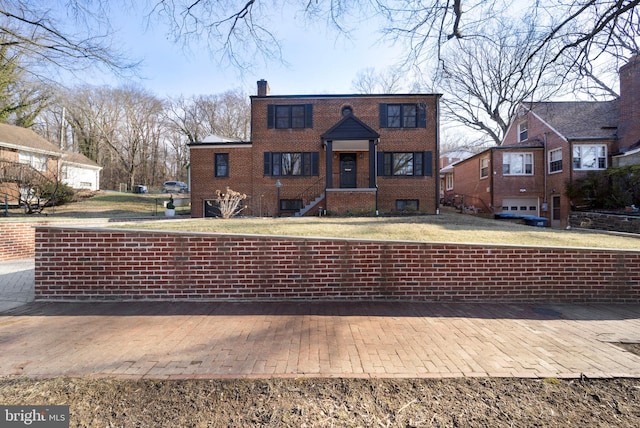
<point>347,170</point>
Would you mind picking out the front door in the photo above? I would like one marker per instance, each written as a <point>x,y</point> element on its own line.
<point>347,170</point>
<point>555,211</point>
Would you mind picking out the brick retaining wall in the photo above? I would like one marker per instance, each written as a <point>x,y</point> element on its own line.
<point>17,240</point>
<point>604,221</point>
<point>104,264</point>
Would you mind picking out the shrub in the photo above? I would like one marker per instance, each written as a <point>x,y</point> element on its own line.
<point>230,202</point>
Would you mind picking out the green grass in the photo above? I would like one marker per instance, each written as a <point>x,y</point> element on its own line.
<point>117,205</point>
<point>446,227</point>
<point>449,226</point>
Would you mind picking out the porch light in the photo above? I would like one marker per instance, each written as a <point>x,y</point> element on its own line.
<point>278,186</point>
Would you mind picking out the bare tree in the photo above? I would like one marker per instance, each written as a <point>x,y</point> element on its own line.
<point>242,29</point>
<point>21,98</point>
<point>484,81</point>
<point>73,35</point>
<point>30,188</point>
<point>370,81</point>
<point>226,114</point>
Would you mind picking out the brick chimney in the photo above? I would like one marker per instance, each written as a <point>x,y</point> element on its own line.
<point>263,88</point>
<point>629,122</point>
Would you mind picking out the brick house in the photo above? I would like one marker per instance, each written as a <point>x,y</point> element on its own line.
<point>20,148</point>
<point>548,145</point>
<point>343,154</point>
<point>24,147</point>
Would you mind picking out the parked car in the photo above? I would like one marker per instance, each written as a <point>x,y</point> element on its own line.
<point>175,187</point>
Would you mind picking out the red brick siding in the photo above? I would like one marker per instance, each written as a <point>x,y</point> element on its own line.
<point>354,202</point>
<point>629,125</point>
<point>204,184</point>
<point>81,264</point>
<point>17,240</point>
<point>327,112</point>
<point>468,184</point>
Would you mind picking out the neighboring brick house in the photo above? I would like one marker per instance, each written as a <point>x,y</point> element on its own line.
<point>343,154</point>
<point>548,145</point>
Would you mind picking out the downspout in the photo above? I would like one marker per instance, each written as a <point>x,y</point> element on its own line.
<point>570,174</point>
<point>491,174</point>
<point>373,170</point>
<point>545,202</point>
<point>436,157</point>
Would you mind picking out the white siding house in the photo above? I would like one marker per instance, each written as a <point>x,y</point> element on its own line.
<point>80,172</point>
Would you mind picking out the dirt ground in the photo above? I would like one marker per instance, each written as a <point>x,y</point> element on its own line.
<point>312,402</point>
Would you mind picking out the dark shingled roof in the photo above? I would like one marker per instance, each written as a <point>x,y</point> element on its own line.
<point>26,138</point>
<point>580,119</point>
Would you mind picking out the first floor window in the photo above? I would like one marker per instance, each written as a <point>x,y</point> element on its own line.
<point>38,162</point>
<point>555,160</point>
<point>517,163</point>
<point>290,204</point>
<point>404,164</point>
<point>589,156</point>
<point>291,163</point>
<point>222,165</point>
<point>484,167</point>
<point>449,181</point>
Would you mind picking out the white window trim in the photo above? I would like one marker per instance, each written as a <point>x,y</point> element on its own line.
<point>524,154</point>
<point>482,177</point>
<point>449,181</point>
<point>597,168</point>
<point>522,125</point>
<point>549,161</point>
<point>36,161</point>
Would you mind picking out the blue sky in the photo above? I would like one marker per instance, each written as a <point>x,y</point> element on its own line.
<point>318,61</point>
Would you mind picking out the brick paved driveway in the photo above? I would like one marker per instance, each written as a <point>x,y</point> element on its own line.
<point>210,340</point>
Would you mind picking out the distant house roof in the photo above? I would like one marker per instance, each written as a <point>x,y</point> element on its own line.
<point>18,138</point>
<point>579,119</point>
<point>80,159</point>
<point>213,138</point>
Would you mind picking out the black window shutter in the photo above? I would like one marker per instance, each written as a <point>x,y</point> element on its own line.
<point>267,163</point>
<point>271,116</point>
<point>315,163</point>
<point>276,165</point>
<point>428,164</point>
<point>308,116</point>
<point>422,115</point>
<point>418,164</point>
<point>380,163</point>
<point>383,115</point>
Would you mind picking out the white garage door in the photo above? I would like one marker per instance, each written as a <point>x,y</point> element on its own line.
<point>521,206</point>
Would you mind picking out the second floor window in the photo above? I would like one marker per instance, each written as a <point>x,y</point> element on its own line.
<point>403,116</point>
<point>221,165</point>
<point>589,156</point>
<point>523,131</point>
<point>484,167</point>
<point>555,160</point>
<point>517,163</point>
<point>287,116</point>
